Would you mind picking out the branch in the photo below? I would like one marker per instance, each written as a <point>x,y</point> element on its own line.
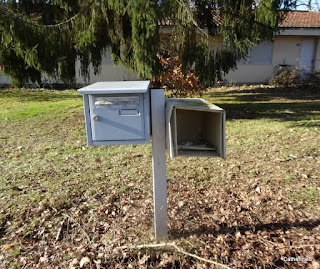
<point>173,245</point>
<point>60,229</point>
<point>18,16</point>
<point>193,20</point>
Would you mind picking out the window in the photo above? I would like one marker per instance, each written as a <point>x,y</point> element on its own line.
<point>261,54</point>
<point>106,57</point>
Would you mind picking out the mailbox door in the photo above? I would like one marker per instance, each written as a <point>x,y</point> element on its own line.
<point>117,117</point>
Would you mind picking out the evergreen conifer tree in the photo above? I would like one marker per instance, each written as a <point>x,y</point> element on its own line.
<point>48,36</point>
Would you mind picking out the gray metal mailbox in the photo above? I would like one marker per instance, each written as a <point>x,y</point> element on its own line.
<point>117,112</point>
<point>194,127</point>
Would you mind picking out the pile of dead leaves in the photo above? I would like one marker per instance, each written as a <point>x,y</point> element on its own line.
<point>176,81</point>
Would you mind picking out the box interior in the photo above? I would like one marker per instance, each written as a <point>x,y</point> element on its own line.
<point>198,133</point>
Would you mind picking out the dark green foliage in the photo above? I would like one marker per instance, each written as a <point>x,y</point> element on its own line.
<point>145,34</point>
<point>213,64</point>
<point>42,37</point>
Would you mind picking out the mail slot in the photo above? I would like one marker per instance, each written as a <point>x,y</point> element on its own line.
<point>195,128</point>
<point>129,112</point>
<point>117,112</point>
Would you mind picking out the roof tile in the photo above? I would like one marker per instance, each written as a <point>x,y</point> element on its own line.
<point>292,19</point>
<point>303,19</point>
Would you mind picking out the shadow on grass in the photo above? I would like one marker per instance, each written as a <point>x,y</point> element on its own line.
<point>272,103</point>
<point>33,95</point>
<point>224,229</point>
<point>279,111</point>
<point>2,232</point>
<point>269,94</point>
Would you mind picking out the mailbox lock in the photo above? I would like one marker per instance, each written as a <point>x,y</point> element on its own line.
<point>95,118</point>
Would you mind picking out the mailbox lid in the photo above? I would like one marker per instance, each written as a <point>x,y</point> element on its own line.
<point>116,87</point>
<point>190,103</point>
<point>117,117</point>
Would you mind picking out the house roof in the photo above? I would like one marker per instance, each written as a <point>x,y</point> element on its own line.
<point>292,19</point>
<point>301,19</point>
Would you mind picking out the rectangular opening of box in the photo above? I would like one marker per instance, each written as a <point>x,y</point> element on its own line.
<point>198,133</point>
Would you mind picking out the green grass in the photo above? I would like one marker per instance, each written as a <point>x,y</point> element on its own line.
<point>26,103</point>
<point>49,176</point>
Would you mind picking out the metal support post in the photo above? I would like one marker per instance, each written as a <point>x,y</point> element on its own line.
<point>159,163</point>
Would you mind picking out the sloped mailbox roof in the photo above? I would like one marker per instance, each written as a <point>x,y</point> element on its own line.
<point>110,87</point>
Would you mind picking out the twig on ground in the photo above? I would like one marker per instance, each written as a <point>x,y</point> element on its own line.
<point>142,189</point>
<point>268,242</point>
<point>73,220</point>
<point>60,229</point>
<point>173,245</point>
<point>304,246</point>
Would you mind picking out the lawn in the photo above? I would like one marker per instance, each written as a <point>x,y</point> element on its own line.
<point>64,204</point>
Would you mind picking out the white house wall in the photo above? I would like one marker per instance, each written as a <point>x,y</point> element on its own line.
<point>317,54</point>
<point>286,51</point>
<point>109,71</point>
<point>250,74</point>
<point>4,79</point>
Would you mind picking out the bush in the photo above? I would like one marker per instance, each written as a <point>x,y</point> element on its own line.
<point>290,76</point>
<point>176,81</point>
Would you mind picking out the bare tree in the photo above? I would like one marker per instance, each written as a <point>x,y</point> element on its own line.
<point>307,5</point>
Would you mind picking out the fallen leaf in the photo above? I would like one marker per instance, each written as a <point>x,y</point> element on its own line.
<point>6,247</point>
<point>43,259</point>
<point>84,261</point>
<point>315,265</point>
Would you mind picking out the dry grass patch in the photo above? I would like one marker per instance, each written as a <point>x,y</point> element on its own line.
<point>64,204</point>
